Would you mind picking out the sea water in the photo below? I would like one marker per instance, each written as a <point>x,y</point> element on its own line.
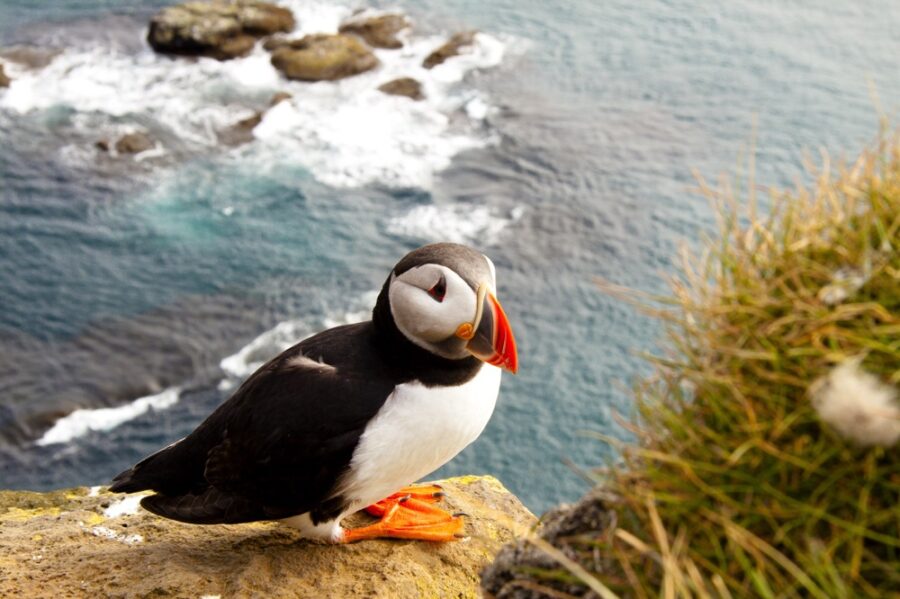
<point>138,291</point>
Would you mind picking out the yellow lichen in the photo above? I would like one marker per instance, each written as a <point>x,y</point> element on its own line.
<point>94,518</point>
<point>16,514</point>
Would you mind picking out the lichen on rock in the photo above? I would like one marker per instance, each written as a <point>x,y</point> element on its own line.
<point>75,543</point>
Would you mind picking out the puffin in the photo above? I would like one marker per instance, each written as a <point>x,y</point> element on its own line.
<point>349,418</point>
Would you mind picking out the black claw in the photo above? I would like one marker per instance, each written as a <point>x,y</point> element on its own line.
<point>461,514</point>
<point>404,499</point>
<point>437,485</point>
<point>438,494</point>
<point>460,535</point>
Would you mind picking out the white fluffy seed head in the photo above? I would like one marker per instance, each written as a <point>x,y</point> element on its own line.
<point>857,405</point>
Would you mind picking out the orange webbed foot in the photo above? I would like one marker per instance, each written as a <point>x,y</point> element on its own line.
<point>410,514</point>
<point>426,493</point>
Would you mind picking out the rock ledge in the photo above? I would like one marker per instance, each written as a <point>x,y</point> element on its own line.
<point>75,543</point>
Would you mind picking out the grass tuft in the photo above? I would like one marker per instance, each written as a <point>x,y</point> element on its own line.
<point>735,486</point>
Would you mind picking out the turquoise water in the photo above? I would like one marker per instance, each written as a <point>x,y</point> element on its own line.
<point>567,158</point>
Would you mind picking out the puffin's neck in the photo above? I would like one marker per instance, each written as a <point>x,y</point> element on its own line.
<point>410,361</point>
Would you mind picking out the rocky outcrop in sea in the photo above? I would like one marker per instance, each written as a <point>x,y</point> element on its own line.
<point>216,28</point>
<point>226,30</point>
<point>378,32</point>
<point>453,47</point>
<point>404,86</point>
<point>322,57</point>
<point>140,128</point>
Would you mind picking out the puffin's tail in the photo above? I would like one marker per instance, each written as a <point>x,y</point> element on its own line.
<point>208,507</point>
<point>169,470</point>
<point>139,477</point>
<point>128,482</point>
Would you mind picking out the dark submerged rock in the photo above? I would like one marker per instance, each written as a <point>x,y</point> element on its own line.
<point>378,32</point>
<point>405,86</point>
<point>449,49</point>
<point>134,143</point>
<point>30,57</point>
<point>242,131</point>
<point>323,57</point>
<point>130,143</point>
<point>279,97</point>
<point>216,28</point>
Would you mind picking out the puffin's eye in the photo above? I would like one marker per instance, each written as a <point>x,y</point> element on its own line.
<point>439,290</point>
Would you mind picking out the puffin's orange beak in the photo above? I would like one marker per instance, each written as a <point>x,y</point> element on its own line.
<point>490,336</point>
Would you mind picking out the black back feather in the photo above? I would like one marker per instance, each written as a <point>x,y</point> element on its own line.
<point>279,446</point>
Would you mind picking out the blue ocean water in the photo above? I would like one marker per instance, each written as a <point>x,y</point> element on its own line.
<point>563,149</point>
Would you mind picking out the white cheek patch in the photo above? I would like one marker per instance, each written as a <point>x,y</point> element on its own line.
<point>419,316</point>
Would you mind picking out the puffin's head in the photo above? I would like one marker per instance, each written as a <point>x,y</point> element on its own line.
<point>443,299</point>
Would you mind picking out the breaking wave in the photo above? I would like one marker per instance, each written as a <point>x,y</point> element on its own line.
<point>460,223</point>
<point>345,133</point>
<point>83,421</point>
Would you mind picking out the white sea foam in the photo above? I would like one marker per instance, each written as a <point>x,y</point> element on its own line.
<point>461,223</point>
<point>80,422</point>
<point>346,133</point>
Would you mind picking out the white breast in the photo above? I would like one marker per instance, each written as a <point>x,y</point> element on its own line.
<point>418,430</point>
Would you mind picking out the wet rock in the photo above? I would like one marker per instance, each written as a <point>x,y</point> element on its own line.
<point>130,143</point>
<point>323,57</point>
<point>260,18</point>
<point>216,28</point>
<point>378,32</point>
<point>449,49</point>
<point>66,544</point>
<point>515,573</point>
<point>4,80</point>
<point>273,43</point>
<point>242,131</point>
<point>405,86</point>
<point>134,143</point>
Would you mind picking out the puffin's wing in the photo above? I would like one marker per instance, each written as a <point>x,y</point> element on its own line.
<point>292,434</point>
<point>279,445</point>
